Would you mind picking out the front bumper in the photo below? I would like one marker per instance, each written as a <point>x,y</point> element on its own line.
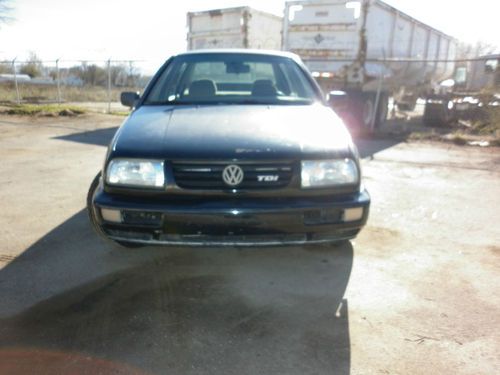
<point>230,222</point>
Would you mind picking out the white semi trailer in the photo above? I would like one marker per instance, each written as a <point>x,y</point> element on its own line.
<point>368,51</point>
<point>241,27</point>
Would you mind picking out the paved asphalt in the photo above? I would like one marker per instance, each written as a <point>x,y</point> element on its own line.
<point>415,293</point>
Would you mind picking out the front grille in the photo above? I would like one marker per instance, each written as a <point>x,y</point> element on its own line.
<point>209,175</point>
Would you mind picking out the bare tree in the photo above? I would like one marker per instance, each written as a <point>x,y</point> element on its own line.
<point>90,74</point>
<point>5,67</point>
<point>33,66</point>
<point>473,50</point>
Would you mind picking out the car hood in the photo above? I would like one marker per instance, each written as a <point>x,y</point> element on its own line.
<point>232,132</point>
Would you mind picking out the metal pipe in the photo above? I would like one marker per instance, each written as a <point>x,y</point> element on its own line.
<point>404,60</point>
<point>58,79</point>
<point>109,85</point>
<point>377,99</point>
<point>15,81</point>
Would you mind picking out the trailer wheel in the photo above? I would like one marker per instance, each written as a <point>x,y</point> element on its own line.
<point>367,112</point>
<point>382,110</point>
<point>360,113</point>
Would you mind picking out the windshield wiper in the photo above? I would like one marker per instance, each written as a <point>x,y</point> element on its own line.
<point>251,101</point>
<point>236,102</point>
<point>165,102</point>
<point>274,102</point>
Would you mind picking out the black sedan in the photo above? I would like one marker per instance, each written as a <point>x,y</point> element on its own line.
<point>230,148</point>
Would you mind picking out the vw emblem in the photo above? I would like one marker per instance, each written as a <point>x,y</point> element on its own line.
<point>232,175</point>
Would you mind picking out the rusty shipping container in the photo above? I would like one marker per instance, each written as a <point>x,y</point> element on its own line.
<point>241,27</point>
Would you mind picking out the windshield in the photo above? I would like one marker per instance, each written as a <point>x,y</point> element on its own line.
<point>232,79</point>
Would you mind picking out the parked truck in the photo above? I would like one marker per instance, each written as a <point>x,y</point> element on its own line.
<point>362,52</point>
<point>241,27</point>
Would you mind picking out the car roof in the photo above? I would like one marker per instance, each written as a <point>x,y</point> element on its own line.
<point>241,51</point>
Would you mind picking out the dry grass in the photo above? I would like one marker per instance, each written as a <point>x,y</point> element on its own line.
<point>48,93</point>
<point>120,113</point>
<point>44,110</point>
<point>480,128</point>
<point>458,138</point>
<point>490,124</point>
<point>424,136</point>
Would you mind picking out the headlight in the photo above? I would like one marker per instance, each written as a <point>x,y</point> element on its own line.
<point>323,173</point>
<point>140,173</point>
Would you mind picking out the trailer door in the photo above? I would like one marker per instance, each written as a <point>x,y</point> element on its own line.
<point>323,31</point>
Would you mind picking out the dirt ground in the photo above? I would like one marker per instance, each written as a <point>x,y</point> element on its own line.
<point>416,293</point>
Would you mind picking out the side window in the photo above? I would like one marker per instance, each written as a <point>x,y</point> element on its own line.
<point>461,75</point>
<point>491,66</point>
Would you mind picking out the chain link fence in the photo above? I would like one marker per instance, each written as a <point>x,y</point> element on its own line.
<point>98,83</point>
<point>65,81</point>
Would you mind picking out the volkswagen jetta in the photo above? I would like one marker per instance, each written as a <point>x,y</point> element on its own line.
<point>232,148</point>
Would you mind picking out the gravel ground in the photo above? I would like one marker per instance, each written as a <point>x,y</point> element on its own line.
<point>415,293</point>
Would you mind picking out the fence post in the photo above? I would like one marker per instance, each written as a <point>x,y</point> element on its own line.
<point>58,78</point>
<point>130,78</point>
<point>109,85</point>
<point>377,100</point>
<point>15,81</point>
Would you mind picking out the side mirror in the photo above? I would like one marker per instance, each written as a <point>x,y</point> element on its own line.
<point>129,98</point>
<point>337,99</point>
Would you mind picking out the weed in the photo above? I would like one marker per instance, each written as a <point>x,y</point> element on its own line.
<point>44,110</point>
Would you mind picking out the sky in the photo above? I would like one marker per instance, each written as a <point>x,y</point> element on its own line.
<point>152,30</point>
